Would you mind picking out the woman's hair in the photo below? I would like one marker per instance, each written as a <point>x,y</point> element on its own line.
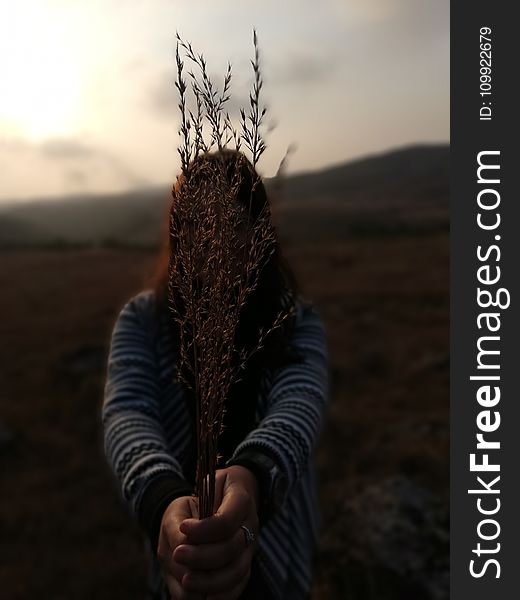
<point>276,283</point>
<point>275,291</point>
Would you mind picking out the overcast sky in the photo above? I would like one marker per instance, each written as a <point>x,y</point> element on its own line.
<point>87,102</point>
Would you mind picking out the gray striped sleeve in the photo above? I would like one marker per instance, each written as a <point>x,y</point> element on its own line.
<point>295,402</point>
<point>134,440</point>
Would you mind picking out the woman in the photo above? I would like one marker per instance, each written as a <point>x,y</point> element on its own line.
<point>261,541</point>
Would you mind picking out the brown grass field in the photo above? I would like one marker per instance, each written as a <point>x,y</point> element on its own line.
<point>385,300</point>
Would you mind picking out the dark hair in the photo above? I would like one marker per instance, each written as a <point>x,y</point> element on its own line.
<point>276,291</point>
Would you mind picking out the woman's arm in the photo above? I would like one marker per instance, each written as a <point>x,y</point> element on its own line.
<point>150,477</point>
<point>286,436</point>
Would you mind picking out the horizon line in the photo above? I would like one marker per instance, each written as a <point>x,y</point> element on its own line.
<point>9,201</point>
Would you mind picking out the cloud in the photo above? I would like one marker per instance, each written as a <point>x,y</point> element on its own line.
<point>84,158</point>
<point>76,179</point>
<point>410,19</point>
<point>304,69</point>
<point>63,148</point>
<point>124,170</point>
<point>75,150</point>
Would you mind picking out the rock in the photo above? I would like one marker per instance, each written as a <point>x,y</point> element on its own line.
<point>392,542</point>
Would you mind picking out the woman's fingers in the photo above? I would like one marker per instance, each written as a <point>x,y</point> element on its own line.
<point>207,557</point>
<point>176,569</point>
<point>223,524</point>
<point>219,581</point>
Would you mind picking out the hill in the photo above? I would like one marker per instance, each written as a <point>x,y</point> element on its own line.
<point>406,189</point>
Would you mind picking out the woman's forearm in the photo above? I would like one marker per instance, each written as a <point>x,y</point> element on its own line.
<point>134,441</point>
<point>296,400</point>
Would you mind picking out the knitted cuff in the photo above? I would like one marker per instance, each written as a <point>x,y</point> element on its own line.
<point>158,494</point>
<point>255,461</point>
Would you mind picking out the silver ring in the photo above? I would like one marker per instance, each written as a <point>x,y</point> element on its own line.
<point>249,535</point>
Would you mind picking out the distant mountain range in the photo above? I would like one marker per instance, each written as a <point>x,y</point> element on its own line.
<point>405,190</point>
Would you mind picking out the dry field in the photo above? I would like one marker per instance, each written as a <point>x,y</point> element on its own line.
<point>382,459</point>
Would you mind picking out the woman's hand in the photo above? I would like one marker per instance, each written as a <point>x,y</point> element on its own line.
<point>170,537</point>
<point>214,554</point>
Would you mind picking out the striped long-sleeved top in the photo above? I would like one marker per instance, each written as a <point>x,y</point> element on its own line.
<point>148,437</point>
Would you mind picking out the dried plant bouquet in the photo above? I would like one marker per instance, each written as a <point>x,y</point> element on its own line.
<point>217,248</point>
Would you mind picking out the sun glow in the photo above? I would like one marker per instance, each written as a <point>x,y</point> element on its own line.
<point>40,70</point>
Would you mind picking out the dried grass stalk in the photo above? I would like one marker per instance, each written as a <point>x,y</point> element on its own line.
<point>218,250</point>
